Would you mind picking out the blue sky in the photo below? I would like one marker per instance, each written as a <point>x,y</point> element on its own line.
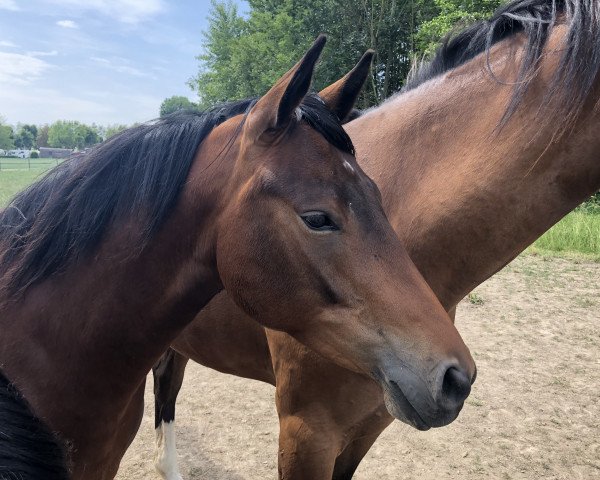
<point>102,61</point>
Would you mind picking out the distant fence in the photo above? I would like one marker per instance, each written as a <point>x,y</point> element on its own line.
<point>11,163</point>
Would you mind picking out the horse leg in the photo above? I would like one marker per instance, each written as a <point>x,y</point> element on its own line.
<point>322,409</point>
<point>307,450</point>
<point>349,460</point>
<point>168,377</point>
<point>310,444</point>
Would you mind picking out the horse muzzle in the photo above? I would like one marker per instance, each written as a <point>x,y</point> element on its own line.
<point>425,404</point>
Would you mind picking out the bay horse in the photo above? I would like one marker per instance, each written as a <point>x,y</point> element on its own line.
<point>488,146</point>
<point>104,261</point>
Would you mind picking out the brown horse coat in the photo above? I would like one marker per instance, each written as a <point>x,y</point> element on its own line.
<point>464,195</point>
<point>107,259</point>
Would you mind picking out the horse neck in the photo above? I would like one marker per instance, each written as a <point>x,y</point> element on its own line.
<point>464,197</point>
<point>101,325</point>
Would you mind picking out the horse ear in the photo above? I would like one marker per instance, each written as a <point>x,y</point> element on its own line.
<point>275,109</point>
<point>341,96</point>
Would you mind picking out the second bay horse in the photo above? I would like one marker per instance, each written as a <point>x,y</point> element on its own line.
<point>467,185</point>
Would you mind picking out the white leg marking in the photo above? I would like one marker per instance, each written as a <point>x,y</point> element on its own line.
<point>166,452</point>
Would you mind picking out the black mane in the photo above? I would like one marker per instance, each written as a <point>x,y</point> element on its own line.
<point>579,63</point>
<point>28,449</point>
<point>138,173</point>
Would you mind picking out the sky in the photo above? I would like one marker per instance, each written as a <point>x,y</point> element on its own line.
<point>96,61</point>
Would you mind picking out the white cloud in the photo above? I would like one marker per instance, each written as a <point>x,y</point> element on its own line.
<point>8,5</point>
<point>101,61</point>
<point>7,44</point>
<point>126,11</point>
<point>67,24</point>
<point>42,105</point>
<point>51,53</point>
<point>20,69</point>
<point>120,65</point>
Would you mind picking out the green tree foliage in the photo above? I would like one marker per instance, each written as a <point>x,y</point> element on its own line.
<point>219,78</point>
<point>42,136</point>
<point>6,137</point>
<point>26,136</point>
<point>112,130</point>
<point>243,56</point>
<point>70,134</point>
<point>90,135</point>
<point>452,15</point>
<point>61,134</point>
<point>174,104</point>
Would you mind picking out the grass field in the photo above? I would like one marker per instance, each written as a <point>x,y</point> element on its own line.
<point>17,173</point>
<point>577,233</point>
<point>12,164</point>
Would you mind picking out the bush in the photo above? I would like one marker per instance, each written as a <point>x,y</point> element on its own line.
<point>34,154</point>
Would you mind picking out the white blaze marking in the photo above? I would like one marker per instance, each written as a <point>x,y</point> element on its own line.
<point>165,460</point>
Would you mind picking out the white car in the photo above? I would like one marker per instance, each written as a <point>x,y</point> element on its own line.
<point>19,153</point>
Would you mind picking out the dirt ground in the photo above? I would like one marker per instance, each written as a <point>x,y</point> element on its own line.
<point>534,330</point>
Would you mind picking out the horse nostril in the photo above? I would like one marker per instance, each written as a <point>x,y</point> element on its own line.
<point>456,387</point>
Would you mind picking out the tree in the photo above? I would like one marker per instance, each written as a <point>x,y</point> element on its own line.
<point>86,135</point>
<point>112,130</point>
<point>26,137</point>
<point>174,104</point>
<point>61,134</point>
<point>42,136</point>
<point>98,135</point>
<point>452,14</point>
<point>217,79</point>
<point>243,56</point>
<point>70,134</point>
<point>6,137</point>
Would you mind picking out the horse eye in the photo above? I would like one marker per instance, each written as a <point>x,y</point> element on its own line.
<point>319,221</point>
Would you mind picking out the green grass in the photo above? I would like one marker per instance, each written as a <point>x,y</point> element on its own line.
<point>578,232</point>
<point>15,175</point>
<point>11,163</point>
<point>476,299</point>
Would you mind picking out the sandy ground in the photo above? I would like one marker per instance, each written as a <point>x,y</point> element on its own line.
<point>534,330</point>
